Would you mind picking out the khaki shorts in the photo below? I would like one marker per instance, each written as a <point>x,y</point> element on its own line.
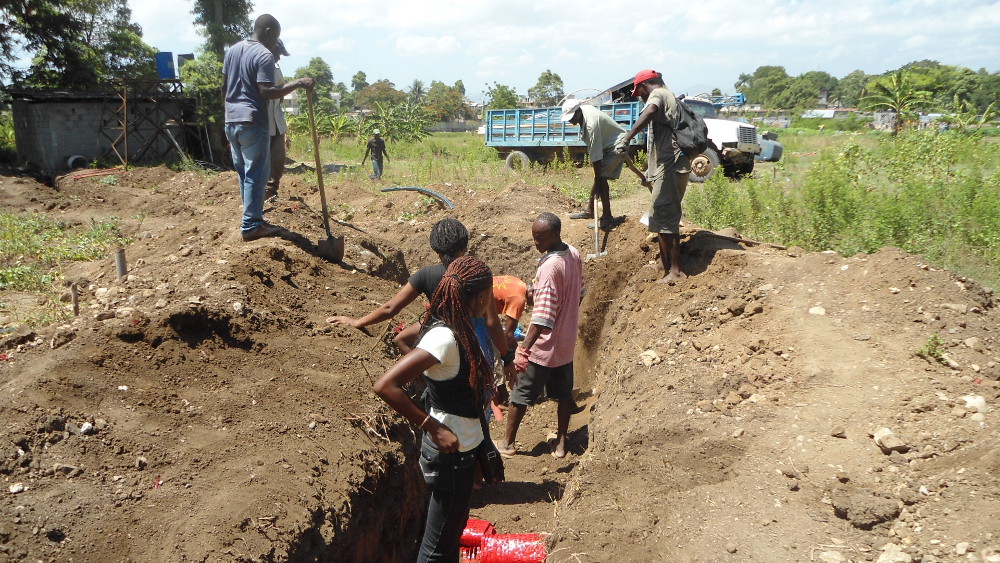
<point>611,164</point>
<point>665,210</point>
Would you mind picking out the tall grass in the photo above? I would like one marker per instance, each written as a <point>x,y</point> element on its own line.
<point>932,193</point>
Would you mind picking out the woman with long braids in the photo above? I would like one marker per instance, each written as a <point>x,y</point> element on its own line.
<point>457,376</point>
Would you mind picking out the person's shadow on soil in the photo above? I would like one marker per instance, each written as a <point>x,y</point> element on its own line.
<point>577,442</point>
<point>698,251</point>
<point>514,492</point>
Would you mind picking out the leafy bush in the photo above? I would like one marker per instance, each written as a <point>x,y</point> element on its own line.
<point>934,193</point>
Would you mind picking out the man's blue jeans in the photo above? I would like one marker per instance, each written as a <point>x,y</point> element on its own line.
<point>376,167</point>
<point>251,147</point>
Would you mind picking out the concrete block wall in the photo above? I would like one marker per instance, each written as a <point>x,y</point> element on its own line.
<point>48,133</point>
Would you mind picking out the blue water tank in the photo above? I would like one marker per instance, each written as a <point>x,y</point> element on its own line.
<point>165,66</point>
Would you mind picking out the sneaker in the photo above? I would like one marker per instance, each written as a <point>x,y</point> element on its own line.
<point>271,195</point>
<point>581,215</point>
<point>262,231</point>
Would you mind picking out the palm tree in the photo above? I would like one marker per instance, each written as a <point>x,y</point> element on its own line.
<point>744,81</point>
<point>897,94</point>
<point>417,92</point>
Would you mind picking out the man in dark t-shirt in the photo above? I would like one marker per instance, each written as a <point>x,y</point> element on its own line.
<point>247,83</point>
<point>376,147</point>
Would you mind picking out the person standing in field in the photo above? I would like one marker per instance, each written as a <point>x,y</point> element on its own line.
<point>667,170</point>
<point>545,357</point>
<point>277,126</point>
<point>247,83</point>
<point>376,147</point>
<point>601,133</point>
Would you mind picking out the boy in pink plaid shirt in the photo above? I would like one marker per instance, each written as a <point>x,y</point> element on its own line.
<point>545,357</point>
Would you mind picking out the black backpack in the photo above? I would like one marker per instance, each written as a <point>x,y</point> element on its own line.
<point>691,133</point>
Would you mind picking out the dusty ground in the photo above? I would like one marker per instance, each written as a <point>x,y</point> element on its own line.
<point>202,410</point>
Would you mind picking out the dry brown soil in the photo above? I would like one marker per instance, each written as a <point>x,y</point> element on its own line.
<point>727,417</point>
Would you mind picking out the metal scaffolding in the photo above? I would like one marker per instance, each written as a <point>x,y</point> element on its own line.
<point>144,114</point>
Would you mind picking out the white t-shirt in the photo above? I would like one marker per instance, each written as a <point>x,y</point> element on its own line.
<point>276,124</point>
<point>440,343</point>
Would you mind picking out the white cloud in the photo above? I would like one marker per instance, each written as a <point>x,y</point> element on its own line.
<point>425,46</point>
<point>599,42</point>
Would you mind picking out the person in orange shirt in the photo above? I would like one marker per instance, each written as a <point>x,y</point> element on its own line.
<point>510,295</point>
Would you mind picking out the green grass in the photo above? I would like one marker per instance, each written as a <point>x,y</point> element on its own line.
<point>34,250</point>
<point>457,158</point>
<point>930,193</point>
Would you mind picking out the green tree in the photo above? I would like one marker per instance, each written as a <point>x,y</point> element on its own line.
<point>400,122</point>
<point>500,96</point>
<point>417,92</point>
<point>824,84</point>
<point>548,91</point>
<point>896,93</point>
<point>460,86</point>
<point>222,22</point>
<point>445,103</point>
<point>201,78</point>
<point>107,46</point>
<point>743,82</point>
<point>359,81</point>
<point>767,85</point>
<point>33,27</point>
<point>849,88</point>
<point>382,92</point>
<point>321,73</point>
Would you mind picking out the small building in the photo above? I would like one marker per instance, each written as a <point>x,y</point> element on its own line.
<point>59,130</point>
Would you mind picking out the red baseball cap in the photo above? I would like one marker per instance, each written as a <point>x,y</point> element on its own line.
<point>642,76</point>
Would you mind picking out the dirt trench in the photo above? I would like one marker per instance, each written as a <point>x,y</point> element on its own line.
<point>726,417</point>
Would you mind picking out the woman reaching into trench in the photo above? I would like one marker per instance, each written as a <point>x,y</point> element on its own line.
<point>457,376</point>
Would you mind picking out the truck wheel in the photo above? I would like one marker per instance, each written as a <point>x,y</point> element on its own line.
<point>517,161</point>
<point>703,166</point>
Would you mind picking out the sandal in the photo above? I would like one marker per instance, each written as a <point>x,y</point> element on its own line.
<point>581,215</point>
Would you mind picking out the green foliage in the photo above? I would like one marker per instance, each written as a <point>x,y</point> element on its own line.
<point>222,22</point>
<point>548,91</point>
<point>318,70</point>
<point>932,350</point>
<point>899,94</point>
<point>90,43</point>
<point>36,27</point>
<point>381,93</point>
<point>359,81</point>
<point>33,247</point>
<point>927,192</point>
<point>8,148</point>
<point>397,123</point>
<point>202,78</point>
<point>445,103</point>
<point>500,96</point>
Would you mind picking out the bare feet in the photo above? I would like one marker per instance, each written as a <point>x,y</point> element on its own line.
<point>557,448</point>
<point>672,277</point>
<point>505,450</point>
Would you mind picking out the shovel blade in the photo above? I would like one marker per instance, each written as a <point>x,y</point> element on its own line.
<point>332,248</point>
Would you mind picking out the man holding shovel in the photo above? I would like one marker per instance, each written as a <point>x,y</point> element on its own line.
<point>601,133</point>
<point>667,170</point>
<point>247,83</point>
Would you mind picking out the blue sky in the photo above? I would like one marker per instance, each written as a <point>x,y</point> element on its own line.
<point>697,45</point>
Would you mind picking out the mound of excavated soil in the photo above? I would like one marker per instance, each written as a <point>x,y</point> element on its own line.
<point>202,409</point>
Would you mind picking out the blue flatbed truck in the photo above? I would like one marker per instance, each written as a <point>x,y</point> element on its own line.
<point>528,136</point>
<point>537,135</point>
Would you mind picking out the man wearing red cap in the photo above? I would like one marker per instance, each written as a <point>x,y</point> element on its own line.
<point>667,169</point>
